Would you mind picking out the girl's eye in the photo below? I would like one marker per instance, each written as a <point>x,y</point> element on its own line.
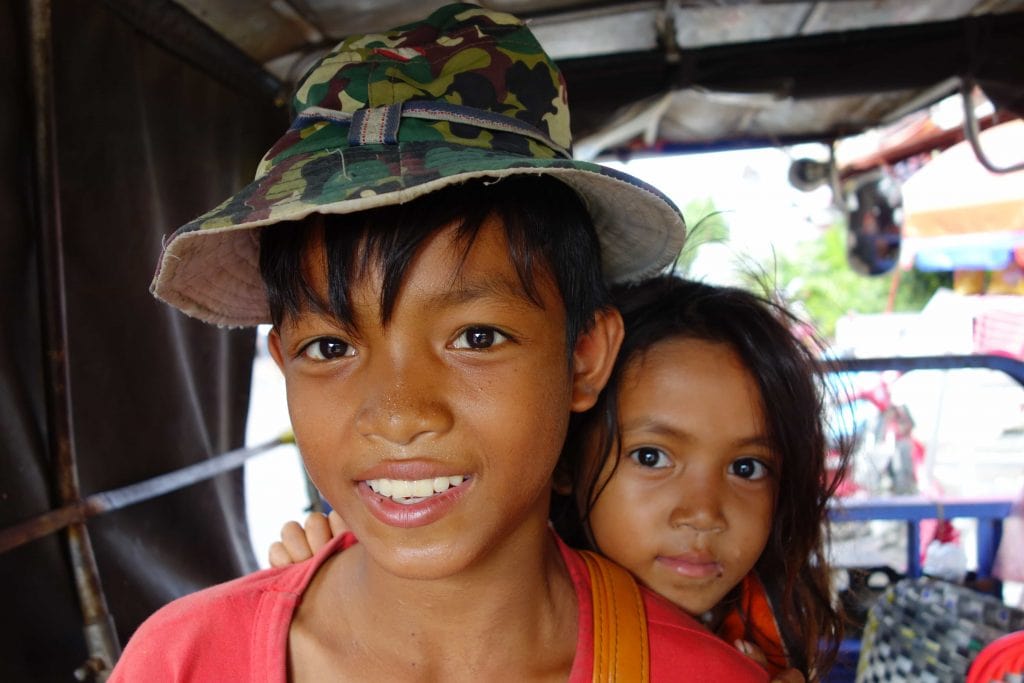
<point>749,468</point>
<point>327,348</point>
<point>479,338</point>
<point>650,457</point>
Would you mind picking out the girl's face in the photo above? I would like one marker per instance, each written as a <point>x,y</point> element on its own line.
<point>689,508</point>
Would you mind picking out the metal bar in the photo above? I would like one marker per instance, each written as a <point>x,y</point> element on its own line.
<point>913,549</point>
<point>51,257</point>
<point>989,514</point>
<point>940,139</point>
<point>664,148</point>
<point>990,532</point>
<point>972,133</point>
<point>848,62</point>
<point>115,499</point>
<point>916,508</point>
<point>1011,366</point>
<point>301,17</point>
<point>172,481</point>
<point>98,627</point>
<point>171,26</point>
<point>40,526</point>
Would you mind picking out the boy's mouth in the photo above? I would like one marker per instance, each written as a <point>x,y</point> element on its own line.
<point>412,491</point>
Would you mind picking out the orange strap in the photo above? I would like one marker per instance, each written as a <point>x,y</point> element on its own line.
<point>621,648</point>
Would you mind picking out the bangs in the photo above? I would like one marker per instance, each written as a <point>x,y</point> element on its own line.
<point>549,236</point>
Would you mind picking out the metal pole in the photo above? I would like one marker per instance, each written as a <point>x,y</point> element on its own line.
<point>115,499</point>
<point>100,635</point>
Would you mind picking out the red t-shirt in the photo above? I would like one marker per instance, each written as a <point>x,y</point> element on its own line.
<point>238,631</point>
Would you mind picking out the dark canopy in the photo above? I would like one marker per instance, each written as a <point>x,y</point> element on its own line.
<point>697,73</point>
<point>145,142</point>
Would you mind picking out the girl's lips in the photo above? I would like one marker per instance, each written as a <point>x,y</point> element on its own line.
<point>693,565</point>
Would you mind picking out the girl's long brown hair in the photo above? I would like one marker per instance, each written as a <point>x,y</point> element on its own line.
<point>793,566</point>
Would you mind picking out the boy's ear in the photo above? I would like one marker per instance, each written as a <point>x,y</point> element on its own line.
<point>274,346</point>
<point>594,357</point>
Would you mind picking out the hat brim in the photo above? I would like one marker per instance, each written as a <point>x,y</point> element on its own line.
<point>209,268</point>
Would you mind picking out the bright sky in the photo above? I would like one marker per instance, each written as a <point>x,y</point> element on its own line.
<point>752,188</point>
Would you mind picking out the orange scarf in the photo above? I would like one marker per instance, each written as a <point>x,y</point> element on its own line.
<point>753,619</point>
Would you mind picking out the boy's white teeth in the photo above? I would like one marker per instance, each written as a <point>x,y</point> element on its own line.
<point>412,490</point>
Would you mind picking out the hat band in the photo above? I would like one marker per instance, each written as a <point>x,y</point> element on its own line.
<point>379,125</point>
<point>376,126</point>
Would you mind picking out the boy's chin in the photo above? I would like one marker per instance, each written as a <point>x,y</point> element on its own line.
<point>427,562</point>
<point>418,557</point>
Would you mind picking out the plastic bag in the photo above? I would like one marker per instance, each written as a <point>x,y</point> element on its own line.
<point>946,561</point>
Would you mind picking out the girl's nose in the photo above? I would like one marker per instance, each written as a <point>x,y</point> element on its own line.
<point>402,402</point>
<point>699,506</point>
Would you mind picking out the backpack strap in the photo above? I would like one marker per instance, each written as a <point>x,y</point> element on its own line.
<point>621,647</point>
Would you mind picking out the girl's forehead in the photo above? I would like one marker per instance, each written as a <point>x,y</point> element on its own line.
<point>682,351</point>
<point>679,379</point>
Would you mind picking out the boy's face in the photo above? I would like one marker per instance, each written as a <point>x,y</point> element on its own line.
<point>689,508</point>
<point>435,435</point>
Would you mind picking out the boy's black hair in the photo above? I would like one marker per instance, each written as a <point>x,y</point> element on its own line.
<point>793,564</point>
<point>549,231</point>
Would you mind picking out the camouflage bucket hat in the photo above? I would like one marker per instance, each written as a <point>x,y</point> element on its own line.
<point>386,118</point>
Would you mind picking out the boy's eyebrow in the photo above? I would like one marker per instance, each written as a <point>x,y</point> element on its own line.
<point>308,316</point>
<point>463,292</point>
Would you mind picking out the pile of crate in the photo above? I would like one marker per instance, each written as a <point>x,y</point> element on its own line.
<point>929,631</point>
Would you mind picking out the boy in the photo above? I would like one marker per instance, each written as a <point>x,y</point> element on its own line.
<point>430,257</point>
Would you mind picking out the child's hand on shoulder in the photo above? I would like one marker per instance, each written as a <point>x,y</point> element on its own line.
<point>755,653</point>
<point>299,543</point>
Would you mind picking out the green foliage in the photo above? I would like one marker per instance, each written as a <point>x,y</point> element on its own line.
<point>705,224</point>
<point>816,279</point>
<point>819,276</point>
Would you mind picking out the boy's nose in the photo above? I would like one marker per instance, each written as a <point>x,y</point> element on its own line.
<point>699,507</point>
<point>403,401</point>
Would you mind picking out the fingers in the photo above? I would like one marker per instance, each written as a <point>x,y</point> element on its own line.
<point>293,546</point>
<point>278,555</point>
<point>317,532</point>
<point>755,653</point>
<point>299,543</point>
<point>752,651</point>
<point>337,524</point>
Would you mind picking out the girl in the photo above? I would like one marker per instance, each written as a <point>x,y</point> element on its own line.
<point>702,471</point>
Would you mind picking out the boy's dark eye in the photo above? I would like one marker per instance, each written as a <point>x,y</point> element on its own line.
<point>749,468</point>
<point>327,348</point>
<point>650,457</point>
<point>479,338</point>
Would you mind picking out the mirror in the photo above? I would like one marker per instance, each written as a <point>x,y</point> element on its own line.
<point>808,174</point>
<point>874,218</point>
